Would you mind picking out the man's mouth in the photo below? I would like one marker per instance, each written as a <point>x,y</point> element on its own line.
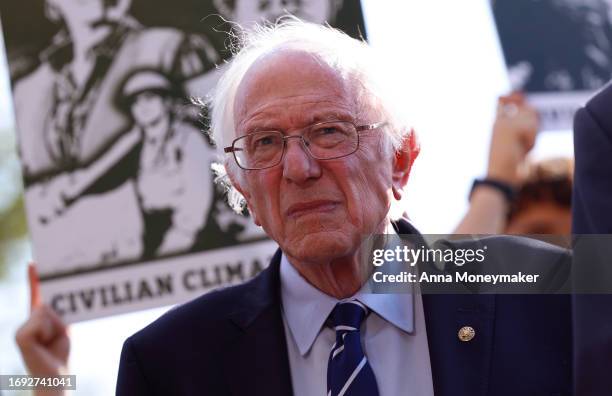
<point>309,207</point>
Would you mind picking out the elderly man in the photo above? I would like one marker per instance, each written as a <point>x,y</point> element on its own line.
<point>316,150</point>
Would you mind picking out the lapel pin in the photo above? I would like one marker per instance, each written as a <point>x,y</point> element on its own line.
<point>466,333</point>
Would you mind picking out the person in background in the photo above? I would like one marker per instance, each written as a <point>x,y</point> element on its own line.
<point>543,203</point>
<point>519,196</point>
<point>592,214</point>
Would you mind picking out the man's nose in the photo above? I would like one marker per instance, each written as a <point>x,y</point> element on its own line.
<point>298,164</point>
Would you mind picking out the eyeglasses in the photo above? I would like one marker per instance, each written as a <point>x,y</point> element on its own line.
<point>322,141</point>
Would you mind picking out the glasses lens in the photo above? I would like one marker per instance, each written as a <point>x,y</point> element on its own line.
<point>332,139</point>
<point>259,150</point>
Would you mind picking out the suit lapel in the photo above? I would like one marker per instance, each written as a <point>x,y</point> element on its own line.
<point>257,362</point>
<point>458,367</point>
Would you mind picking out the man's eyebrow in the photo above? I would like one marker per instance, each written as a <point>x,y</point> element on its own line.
<point>331,116</point>
<point>268,125</point>
<point>262,127</point>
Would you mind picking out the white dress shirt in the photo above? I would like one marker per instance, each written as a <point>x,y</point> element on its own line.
<point>393,337</point>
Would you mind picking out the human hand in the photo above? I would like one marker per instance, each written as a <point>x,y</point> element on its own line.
<point>43,339</point>
<point>514,133</point>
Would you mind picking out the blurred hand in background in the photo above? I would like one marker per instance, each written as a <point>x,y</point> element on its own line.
<point>43,339</point>
<point>514,135</point>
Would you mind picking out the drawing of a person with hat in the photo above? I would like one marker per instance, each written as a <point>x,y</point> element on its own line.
<point>174,193</point>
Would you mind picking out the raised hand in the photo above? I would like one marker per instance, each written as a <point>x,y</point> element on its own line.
<point>43,339</point>
<point>514,133</point>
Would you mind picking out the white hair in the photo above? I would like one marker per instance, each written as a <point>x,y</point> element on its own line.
<point>354,61</point>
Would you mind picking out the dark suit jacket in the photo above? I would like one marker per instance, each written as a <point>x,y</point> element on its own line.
<point>592,214</point>
<point>232,342</point>
<point>592,198</point>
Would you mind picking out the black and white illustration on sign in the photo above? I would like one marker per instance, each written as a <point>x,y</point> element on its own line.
<point>558,51</point>
<point>116,164</point>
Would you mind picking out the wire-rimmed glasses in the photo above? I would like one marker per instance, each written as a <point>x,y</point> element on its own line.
<point>326,140</point>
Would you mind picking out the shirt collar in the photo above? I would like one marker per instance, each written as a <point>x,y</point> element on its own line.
<point>306,308</point>
<point>395,308</point>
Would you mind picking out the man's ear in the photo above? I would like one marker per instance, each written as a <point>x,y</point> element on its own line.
<point>244,192</point>
<point>404,158</point>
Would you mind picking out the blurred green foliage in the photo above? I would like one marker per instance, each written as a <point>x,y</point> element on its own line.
<point>13,227</point>
<point>13,224</point>
<point>13,221</point>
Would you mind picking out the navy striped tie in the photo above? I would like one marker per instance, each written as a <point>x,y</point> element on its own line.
<point>348,370</point>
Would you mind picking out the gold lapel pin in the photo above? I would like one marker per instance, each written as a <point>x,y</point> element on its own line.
<point>466,333</point>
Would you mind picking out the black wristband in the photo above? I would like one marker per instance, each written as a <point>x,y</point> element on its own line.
<point>506,189</point>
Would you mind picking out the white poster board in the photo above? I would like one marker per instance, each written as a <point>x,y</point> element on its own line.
<point>121,202</point>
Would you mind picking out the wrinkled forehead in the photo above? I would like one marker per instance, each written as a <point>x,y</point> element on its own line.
<point>287,74</point>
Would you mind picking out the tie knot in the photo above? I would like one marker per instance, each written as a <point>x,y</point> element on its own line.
<point>348,315</point>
